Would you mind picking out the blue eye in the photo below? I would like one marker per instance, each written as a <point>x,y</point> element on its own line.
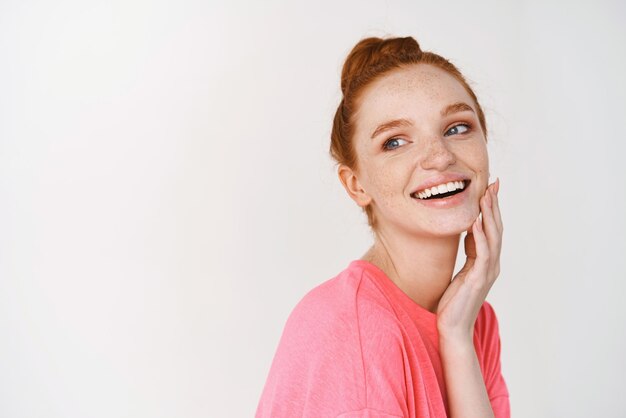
<point>391,141</point>
<point>455,127</point>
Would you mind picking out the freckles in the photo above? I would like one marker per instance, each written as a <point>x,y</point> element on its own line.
<point>384,186</point>
<point>388,191</point>
<point>382,189</point>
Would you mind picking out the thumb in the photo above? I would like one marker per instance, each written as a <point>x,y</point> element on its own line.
<point>470,246</point>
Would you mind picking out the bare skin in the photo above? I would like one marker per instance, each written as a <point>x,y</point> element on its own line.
<point>416,244</point>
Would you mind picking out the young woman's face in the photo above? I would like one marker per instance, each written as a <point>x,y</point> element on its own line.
<point>428,148</point>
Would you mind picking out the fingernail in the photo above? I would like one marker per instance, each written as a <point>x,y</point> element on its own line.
<point>497,185</point>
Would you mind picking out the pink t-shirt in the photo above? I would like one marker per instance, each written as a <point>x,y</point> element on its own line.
<point>357,346</point>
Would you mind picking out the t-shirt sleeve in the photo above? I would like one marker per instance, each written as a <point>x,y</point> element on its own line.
<point>316,370</point>
<point>384,361</point>
<point>489,337</point>
<point>320,368</point>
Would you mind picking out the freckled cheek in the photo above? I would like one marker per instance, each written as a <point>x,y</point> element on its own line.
<point>477,158</point>
<point>387,189</point>
<point>482,176</point>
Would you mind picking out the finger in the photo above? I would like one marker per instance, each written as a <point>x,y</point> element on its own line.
<point>489,223</point>
<point>496,210</point>
<point>482,248</point>
<point>491,233</point>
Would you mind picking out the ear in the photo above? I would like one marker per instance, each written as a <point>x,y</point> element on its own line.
<point>352,185</point>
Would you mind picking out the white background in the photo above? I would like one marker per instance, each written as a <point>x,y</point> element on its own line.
<point>166,194</point>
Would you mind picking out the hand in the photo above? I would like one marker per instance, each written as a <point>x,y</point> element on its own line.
<point>462,300</point>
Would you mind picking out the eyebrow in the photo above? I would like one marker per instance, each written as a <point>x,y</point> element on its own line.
<point>396,123</point>
<point>455,108</point>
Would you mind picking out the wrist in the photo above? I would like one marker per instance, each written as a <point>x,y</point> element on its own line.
<point>456,341</point>
<point>457,354</point>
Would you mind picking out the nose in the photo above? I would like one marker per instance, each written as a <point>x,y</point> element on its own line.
<point>437,156</point>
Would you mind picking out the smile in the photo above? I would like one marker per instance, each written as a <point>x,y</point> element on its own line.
<point>442,190</point>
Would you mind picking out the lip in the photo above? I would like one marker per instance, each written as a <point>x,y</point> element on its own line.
<point>439,179</point>
<point>445,202</point>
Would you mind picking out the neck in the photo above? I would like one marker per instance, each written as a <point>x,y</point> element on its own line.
<point>421,267</point>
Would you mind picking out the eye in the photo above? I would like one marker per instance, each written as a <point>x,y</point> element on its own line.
<point>455,128</point>
<point>386,145</point>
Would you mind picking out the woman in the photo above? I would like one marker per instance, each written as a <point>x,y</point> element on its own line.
<point>395,334</point>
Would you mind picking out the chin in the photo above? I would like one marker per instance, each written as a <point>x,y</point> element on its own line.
<point>450,230</point>
<point>436,223</point>
<point>455,225</point>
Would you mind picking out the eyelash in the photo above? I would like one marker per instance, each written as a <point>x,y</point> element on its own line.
<point>467,125</point>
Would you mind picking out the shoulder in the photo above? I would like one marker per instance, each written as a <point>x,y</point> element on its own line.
<point>349,320</point>
<point>322,325</point>
<point>328,305</point>
<point>340,321</point>
<point>342,306</point>
<point>318,365</point>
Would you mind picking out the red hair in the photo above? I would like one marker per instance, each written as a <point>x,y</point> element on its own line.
<point>370,59</point>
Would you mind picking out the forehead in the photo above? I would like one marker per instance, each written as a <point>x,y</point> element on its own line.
<point>418,92</point>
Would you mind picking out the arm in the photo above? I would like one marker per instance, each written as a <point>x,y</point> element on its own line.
<point>467,394</point>
<point>458,309</point>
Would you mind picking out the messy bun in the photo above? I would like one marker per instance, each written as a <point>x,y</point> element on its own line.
<point>370,59</point>
<point>373,56</point>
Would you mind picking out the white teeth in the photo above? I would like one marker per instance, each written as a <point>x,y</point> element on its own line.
<point>441,188</point>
